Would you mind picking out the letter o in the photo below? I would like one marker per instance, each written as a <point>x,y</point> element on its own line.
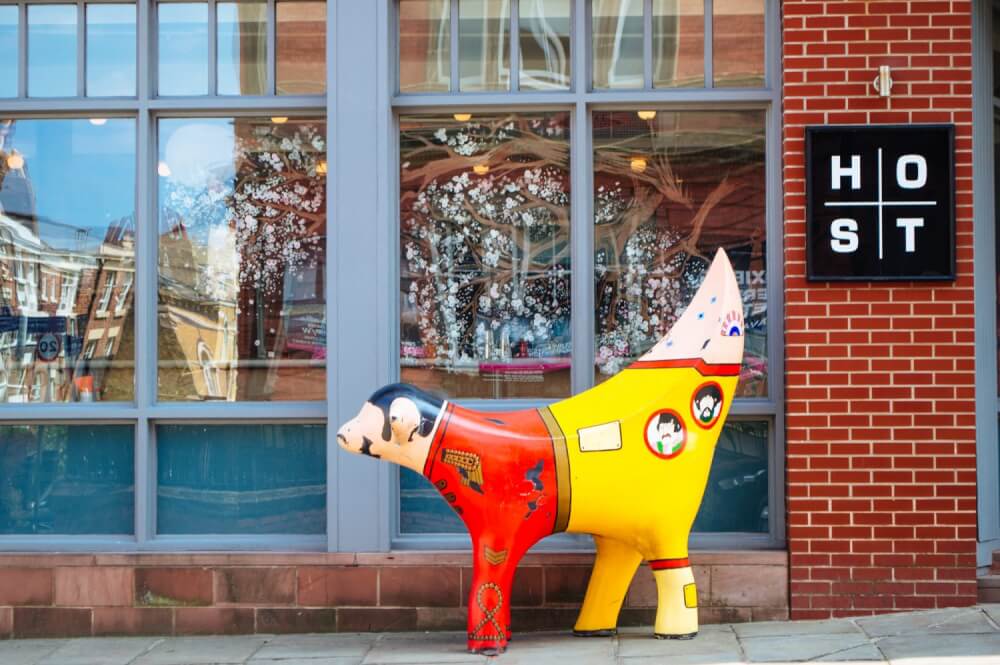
<point>901,177</point>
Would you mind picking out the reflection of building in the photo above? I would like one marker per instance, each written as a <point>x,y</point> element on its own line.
<point>81,299</point>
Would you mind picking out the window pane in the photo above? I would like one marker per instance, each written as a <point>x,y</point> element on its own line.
<point>52,50</point>
<point>66,479</point>
<point>8,50</point>
<point>618,44</point>
<point>422,509</point>
<point>544,26</point>
<point>483,45</point>
<point>242,48</point>
<point>301,48</point>
<point>67,247</point>
<point>242,244</point>
<point>110,50</point>
<point>485,290</point>
<point>678,43</point>
<point>668,192</point>
<point>183,44</point>
<point>241,479</point>
<point>736,497</point>
<point>738,43</point>
<point>424,45</point>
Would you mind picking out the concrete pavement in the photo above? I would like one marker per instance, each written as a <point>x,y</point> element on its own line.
<point>969,636</point>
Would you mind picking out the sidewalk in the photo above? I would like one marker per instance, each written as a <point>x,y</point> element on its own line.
<point>968,636</point>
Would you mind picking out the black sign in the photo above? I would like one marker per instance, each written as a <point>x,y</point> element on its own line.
<point>880,202</point>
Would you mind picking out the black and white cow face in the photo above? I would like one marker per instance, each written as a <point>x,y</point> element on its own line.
<point>397,424</point>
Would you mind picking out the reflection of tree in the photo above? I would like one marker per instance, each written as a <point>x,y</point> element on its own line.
<point>656,230</point>
<point>487,248</point>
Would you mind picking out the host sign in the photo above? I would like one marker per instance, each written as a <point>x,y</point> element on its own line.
<point>880,202</point>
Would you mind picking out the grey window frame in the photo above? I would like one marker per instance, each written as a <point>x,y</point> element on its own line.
<point>581,100</point>
<point>985,279</point>
<point>144,412</point>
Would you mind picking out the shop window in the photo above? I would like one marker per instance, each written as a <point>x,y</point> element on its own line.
<point>260,48</point>
<point>301,47</point>
<point>242,216</point>
<point>68,201</point>
<point>241,479</point>
<point>9,27</point>
<point>678,43</point>
<point>183,43</point>
<point>110,50</point>
<point>487,31</point>
<point>485,254</point>
<point>618,43</point>
<point>52,50</point>
<point>66,479</point>
<point>669,189</point>
<point>738,43</point>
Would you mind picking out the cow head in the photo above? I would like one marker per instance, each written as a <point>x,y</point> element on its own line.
<point>397,424</point>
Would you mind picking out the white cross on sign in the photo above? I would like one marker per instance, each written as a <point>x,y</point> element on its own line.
<point>911,173</point>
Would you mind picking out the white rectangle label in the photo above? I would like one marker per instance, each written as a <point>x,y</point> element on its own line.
<point>600,437</point>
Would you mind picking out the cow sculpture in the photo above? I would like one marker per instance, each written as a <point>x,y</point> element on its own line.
<point>626,461</point>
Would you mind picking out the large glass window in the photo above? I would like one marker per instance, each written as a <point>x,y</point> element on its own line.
<point>110,50</point>
<point>240,479</point>
<point>183,41</point>
<point>9,22</point>
<point>669,190</point>
<point>668,184</point>
<point>52,50</point>
<point>301,47</point>
<point>67,235</point>
<point>241,48</point>
<point>66,479</point>
<point>485,263</point>
<point>242,245</point>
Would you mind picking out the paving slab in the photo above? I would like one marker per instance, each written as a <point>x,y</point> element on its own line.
<point>800,647</point>
<point>99,651</point>
<point>906,623</point>
<point>417,648</point>
<point>710,646</point>
<point>342,660</point>
<point>915,649</point>
<point>27,652</point>
<point>202,651</point>
<point>333,645</point>
<point>866,653</point>
<point>779,628</point>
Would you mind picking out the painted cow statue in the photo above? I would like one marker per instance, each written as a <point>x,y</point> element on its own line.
<point>626,461</point>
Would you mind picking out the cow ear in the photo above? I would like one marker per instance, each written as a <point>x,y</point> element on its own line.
<point>404,418</point>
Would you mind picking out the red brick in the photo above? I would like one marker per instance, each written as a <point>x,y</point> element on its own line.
<point>97,586</point>
<point>173,586</point>
<point>419,586</point>
<point>51,622</point>
<point>213,620</point>
<point>256,586</point>
<point>133,621</point>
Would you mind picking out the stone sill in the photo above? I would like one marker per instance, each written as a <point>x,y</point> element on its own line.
<point>397,558</point>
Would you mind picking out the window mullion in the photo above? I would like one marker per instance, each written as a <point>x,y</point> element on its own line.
<point>453,22</point>
<point>213,49</point>
<point>514,42</point>
<point>582,252</point>
<point>272,45</point>
<point>81,49</point>
<point>22,50</point>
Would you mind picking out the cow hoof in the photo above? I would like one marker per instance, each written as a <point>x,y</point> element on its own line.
<point>685,636</point>
<point>488,651</point>
<point>601,632</point>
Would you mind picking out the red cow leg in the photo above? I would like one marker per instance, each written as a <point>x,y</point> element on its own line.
<point>489,596</point>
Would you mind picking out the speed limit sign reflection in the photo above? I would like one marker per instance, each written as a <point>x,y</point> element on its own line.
<point>48,348</point>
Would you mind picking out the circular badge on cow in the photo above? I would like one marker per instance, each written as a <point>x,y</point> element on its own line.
<point>665,434</point>
<point>706,404</point>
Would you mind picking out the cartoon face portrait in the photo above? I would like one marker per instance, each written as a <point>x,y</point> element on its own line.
<point>706,405</point>
<point>665,434</point>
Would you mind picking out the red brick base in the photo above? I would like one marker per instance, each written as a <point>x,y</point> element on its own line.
<point>61,595</point>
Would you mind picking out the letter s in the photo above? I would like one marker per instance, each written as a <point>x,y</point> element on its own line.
<point>845,236</point>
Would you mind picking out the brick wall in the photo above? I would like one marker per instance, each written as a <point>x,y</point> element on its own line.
<point>880,396</point>
<point>48,595</point>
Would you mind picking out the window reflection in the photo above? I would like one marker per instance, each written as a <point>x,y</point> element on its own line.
<point>484,45</point>
<point>544,42</point>
<point>738,43</point>
<point>669,191</point>
<point>618,44</point>
<point>240,479</point>
<point>301,47</point>
<point>67,243</point>
<point>110,50</point>
<point>424,45</point>
<point>8,50</point>
<point>242,48</point>
<point>52,50</point>
<point>183,46</point>
<point>485,249</point>
<point>66,479</point>
<point>678,43</point>
<point>242,244</point>
<point>736,495</point>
